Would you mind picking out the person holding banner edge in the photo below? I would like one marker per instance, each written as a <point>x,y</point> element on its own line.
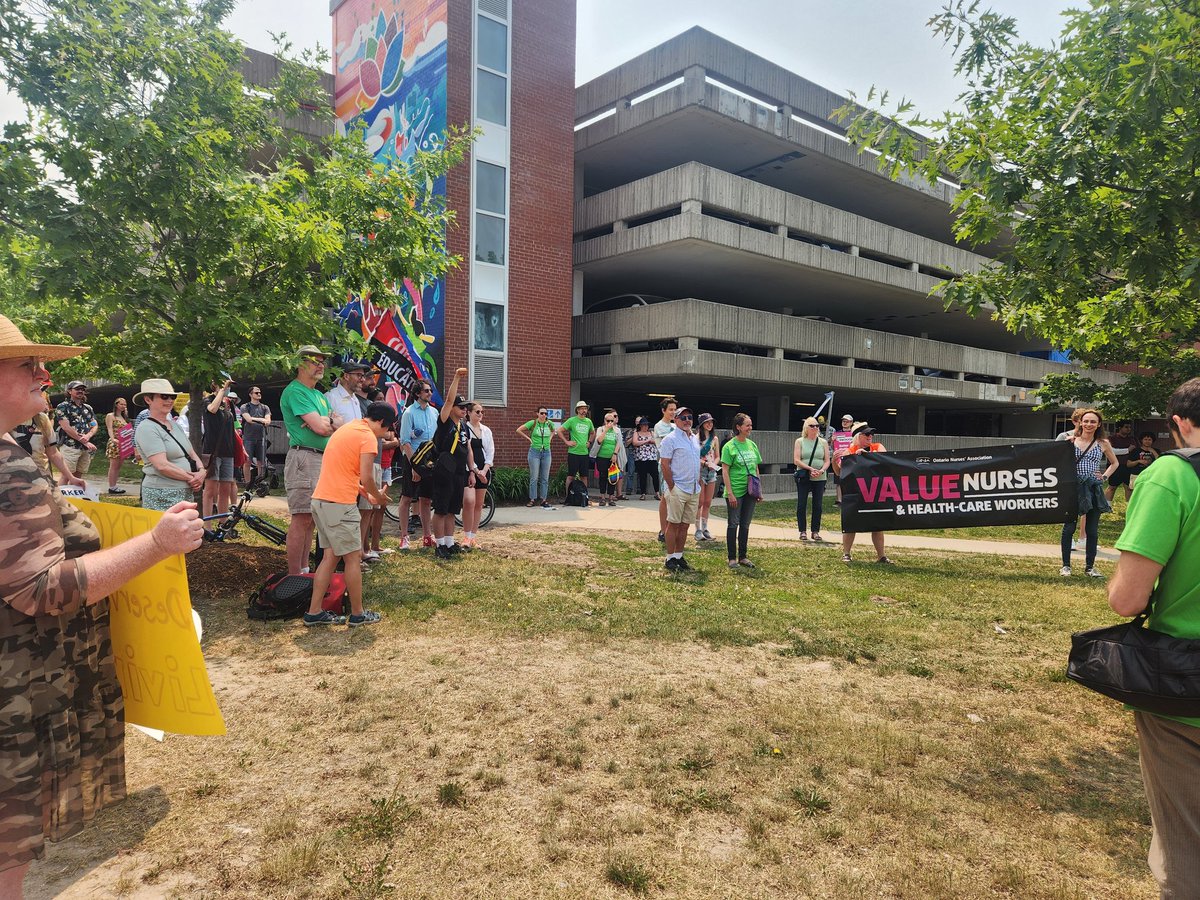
<point>1091,450</point>
<point>862,434</point>
<point>62,724</point>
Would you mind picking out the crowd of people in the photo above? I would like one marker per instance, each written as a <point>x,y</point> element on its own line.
<point>63,727</point>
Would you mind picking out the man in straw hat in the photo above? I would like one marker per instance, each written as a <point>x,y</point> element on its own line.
<point>306,415</point>
<point>58,677</point>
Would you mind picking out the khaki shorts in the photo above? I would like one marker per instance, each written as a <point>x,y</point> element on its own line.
<point>363,502</point>
<point>338,526</point>
<point>301,470</point>
<point>77,459</point>
<point>681,507</point>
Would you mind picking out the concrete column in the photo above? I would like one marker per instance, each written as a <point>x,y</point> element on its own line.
<point>783,121</point>
<point>616,349</point>
<point>781,230</point>
<point>576,387</point>
<point>848,362</point>
<point>920,419</point>
<point>777,353</point>
<point>914,267</point>
<point>577,293</point>
<point>1003,381</point>
<point>691,206</point>
<point>961,376</point>
<point>773,413</point>
<point>689,343</point>
<point>854,250</point>
<point>693,84</point>
<point>911,370</point>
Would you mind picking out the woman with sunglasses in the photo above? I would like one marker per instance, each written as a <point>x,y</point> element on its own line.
<point>483,453</point>
<point>114,424</point>
<point>172,471</point>
<point>605,447</point>
<point>539,432</point>
<point>740,460</point>
<point>710,471</point>
<point>811,457</point>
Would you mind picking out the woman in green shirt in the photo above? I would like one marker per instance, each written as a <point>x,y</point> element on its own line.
<point>538,432</point>
<point>811,456</point>
<point>739,460</point>
<point>607,443</point>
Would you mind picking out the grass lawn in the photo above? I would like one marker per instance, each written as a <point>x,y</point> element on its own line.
<point>555,717</point>
<point>782,513</point>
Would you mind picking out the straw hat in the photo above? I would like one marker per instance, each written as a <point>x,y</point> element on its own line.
<point>153,386</point>
<point>13,345</point>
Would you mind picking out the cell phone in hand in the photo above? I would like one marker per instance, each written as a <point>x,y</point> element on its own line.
<point>226,376</point>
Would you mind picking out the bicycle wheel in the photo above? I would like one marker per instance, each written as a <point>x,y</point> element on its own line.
<point>392,511</point>
<point>489,508</point>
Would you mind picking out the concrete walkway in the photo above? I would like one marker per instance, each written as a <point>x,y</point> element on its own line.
<point>642,516</point>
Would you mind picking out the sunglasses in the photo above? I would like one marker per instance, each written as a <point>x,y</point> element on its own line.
<point>684,418</point>
<point>166,396</point>
<point>542,413</point>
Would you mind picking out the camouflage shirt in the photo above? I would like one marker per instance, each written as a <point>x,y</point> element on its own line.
<point>61,712</point>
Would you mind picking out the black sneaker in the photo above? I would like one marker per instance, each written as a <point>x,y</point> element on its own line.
<point>672,564</point>
<point>116,490</point>
<point>662,538</point>
<point>683,565</point>
<point>454,549</point>
<point>440,552</point>
<point>324,617</point>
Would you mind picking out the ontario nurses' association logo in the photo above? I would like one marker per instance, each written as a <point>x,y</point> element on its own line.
<point>923,460</point>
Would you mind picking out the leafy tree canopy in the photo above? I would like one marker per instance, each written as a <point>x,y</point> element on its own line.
<point>1082,161</point>
<point>155,206</point>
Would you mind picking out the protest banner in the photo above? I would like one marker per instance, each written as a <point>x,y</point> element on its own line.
<point>1009,484</point>
<point>155,645</point>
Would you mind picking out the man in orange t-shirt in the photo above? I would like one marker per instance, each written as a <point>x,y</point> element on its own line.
<point>862,443</point>
<point>347,469</point>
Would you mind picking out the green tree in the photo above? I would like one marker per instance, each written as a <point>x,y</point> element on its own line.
<point>1081,161</point>
<point>155,205</point>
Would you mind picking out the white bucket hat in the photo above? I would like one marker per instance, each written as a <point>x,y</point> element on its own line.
<point>153,386</point>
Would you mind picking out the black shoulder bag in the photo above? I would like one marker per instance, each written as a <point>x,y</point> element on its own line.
<point>1147,669</point>
<point>171,434</point>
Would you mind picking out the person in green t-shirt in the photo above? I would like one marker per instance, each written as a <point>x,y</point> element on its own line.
<point>539,432</point>
<point>608,438</point>
<point>739,460</point>
<point>577,434</point>
<point>1160,562</point>
<point>306,416</point>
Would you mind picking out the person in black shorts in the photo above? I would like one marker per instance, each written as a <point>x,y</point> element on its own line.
<point>450,473</point>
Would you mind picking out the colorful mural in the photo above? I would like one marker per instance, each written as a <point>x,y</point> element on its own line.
<point>389,66</point>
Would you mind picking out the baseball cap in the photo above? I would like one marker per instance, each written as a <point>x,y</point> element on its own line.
<point>460,400</point>
<point>847,418</point>
<point>71,385</point>
<point>681,410</point>
<point>354,365</point>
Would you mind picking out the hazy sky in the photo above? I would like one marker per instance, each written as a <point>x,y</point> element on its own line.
<point>842,45</point>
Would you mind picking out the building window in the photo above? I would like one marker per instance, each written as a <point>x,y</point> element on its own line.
<point>493,45</point>
<point>489,327</point>
<point>491,98</point>
<point>489,187</point>
<point>489,239</point>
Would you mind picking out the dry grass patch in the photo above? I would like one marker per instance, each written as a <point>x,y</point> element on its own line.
<point>779,737</point>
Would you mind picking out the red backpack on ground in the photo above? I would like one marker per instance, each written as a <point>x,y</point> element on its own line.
<point>284,596</point>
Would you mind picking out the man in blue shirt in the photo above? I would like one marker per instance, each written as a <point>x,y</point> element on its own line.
<point>417,426</point>
<point>679,456</point>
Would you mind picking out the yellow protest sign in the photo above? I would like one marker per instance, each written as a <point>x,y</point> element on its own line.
<point>181,400</point>
<point>158,657</point>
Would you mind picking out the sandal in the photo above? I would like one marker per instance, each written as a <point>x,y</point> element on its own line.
<point>530,504</point>
<point>884,561</point>
<point>845,557</point>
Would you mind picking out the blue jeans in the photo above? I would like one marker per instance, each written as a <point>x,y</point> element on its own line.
<point>539,474</point>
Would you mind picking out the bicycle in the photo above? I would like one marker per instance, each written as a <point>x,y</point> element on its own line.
<point>392,511</point>
<point>258,487</point>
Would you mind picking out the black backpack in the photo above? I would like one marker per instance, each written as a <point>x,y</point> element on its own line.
<point>577,493</point>
<point>284,596</point>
